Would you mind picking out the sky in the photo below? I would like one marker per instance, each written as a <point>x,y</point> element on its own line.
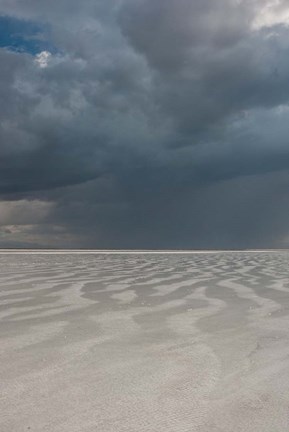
<point>144,124</point>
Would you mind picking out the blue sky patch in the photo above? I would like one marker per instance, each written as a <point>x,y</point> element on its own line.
<point>24,36</point>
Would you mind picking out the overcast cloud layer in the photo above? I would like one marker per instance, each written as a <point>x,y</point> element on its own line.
<point>144,123</point>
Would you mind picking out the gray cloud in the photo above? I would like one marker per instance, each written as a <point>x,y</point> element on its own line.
<point>154,124</point>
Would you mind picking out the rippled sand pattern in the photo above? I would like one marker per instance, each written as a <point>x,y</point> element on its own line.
<point>154,342</point>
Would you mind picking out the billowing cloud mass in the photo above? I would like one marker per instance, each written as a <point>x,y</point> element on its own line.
<point>144,123</point>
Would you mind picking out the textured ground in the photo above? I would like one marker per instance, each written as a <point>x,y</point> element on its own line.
<point>154,342</point>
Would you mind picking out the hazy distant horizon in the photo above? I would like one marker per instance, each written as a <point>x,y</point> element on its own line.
<point>139,251</point>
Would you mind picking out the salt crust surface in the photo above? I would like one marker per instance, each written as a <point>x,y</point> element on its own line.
<point>146,341</point>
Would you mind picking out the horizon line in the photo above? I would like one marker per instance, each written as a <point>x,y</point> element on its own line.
<point>134,251</point>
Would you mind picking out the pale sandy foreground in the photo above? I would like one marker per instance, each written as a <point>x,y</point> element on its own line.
<point>133,342</point>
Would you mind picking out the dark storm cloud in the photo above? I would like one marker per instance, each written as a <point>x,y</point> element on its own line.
<point>209,63</point>
<point>150,123</point>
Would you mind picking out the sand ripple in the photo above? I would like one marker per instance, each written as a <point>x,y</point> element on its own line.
<point>144,342</point>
